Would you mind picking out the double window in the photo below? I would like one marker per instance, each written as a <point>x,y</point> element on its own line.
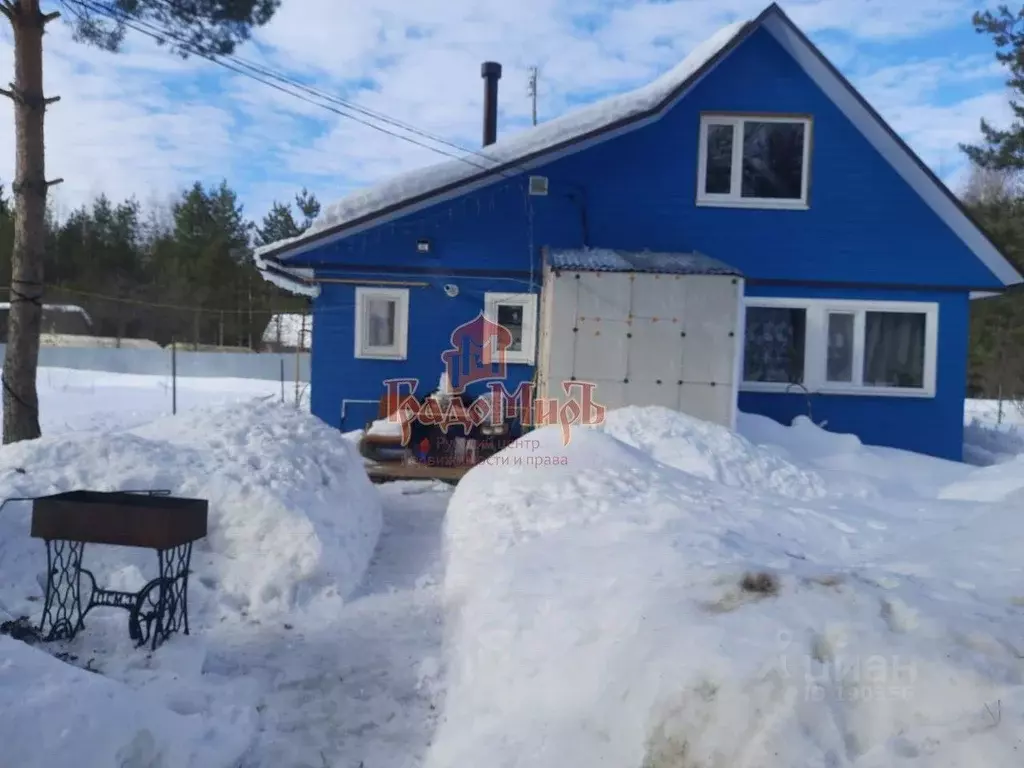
<point>843,347</point>
<point>754,162</point>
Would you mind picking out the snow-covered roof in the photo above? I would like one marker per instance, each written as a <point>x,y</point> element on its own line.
<point>298,281</point>
<point>290,330</point>
<point>609,260</point>
<point>573,131</point>
<point>492,161</point>
<point>73,308</point>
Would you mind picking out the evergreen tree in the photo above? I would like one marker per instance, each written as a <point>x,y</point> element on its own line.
<point>280,222</point>
<point>1003,148</point>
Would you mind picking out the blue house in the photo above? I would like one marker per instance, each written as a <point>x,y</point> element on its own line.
<point>858,264</point>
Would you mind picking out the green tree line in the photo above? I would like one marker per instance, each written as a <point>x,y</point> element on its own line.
<point>181,273</point>
<point>995,197</point>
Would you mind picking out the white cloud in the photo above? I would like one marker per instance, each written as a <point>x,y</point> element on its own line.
<point>147,123</point>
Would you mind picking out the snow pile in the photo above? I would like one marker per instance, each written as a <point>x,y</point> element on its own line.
<point>55,715</point>
<point>505,151</point>
<point>993,431</point>
<point>293,517</point>
<point>611,609</point>
<point>710,451</point>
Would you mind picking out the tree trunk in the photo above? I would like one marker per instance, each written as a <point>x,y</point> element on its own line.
<point>20,401</point>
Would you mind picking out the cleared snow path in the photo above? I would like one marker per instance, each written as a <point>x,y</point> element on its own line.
<point>363,691</point>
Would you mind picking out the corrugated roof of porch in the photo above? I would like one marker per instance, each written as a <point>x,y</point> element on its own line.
<point>613,260</point>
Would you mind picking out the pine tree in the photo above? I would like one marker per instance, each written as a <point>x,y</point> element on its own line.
<point>212,27</point>
<point>280,222</point>
<point>1003,148</point>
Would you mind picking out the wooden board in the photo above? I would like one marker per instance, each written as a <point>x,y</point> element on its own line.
<point>119,518</point>
<point>394,470</point>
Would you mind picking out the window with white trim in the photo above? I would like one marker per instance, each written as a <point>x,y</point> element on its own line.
<point>517,312</point>
<point>754,161</point>
<point>382,323</point>
<point>841,346</point>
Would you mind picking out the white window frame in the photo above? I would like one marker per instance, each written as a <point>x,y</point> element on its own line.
<point>528,301</point>
<point>816,346</point>
<point>398,350</point>
<point>734,199</point>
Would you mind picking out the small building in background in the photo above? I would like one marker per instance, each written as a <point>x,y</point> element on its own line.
<point>58,319</point>
<point>288,332</point>
<point>69,325</point>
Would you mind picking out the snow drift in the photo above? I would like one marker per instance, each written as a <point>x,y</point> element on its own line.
<point>293,517</point>
<point>293,523</point>
<point>55,715</point>
<point>649,606</point>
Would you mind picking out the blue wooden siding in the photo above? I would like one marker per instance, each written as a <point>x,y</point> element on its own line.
<point>337,375</point>
<point>865,225</point>
<point>931,425</point>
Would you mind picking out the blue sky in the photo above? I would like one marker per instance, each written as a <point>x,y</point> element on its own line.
<point>146,123</point>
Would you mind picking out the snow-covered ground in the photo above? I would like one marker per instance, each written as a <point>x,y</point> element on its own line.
<point>660,593</point>
<point>993,432</point>
<point>297,657</point>
<point>72,400</point>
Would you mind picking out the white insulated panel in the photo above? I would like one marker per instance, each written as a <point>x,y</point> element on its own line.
<point>626,358</point>
<point>709,319</point>
<point>711,403</point>
<point>611,394</point>
<point>602,349</point>
<point>556,363</point>
<point>655,350</point>
<point>649,392</point>
<point>659,296</point>
<point>603,295</point>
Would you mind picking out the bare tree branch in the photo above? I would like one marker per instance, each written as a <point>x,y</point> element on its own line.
<point>48,17</point>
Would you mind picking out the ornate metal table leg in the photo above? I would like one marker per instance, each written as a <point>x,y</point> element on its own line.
<point>162,606</point>
<point>174,565</point>
<point>62,611</point>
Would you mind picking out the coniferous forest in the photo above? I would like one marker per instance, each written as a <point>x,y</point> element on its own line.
<point>183,272</point>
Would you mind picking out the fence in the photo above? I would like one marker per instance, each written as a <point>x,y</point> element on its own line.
<point>257,322</point>
<point>166,362</point>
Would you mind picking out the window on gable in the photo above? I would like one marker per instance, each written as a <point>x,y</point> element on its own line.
<point>841,346</point>
<point>517,312</point>
<point>754,161</point>
<point>382,323</point>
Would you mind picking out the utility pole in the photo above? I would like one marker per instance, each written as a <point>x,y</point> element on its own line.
<point>532,91</point>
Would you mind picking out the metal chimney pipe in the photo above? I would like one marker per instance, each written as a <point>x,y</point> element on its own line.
<point>491,73</point>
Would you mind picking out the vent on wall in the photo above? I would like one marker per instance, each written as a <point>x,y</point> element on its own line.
<point>538,185</point>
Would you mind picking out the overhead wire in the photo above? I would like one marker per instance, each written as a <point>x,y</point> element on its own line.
<point>267,76</point>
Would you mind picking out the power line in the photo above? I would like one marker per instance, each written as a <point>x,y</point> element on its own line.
<point>265,75</point>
